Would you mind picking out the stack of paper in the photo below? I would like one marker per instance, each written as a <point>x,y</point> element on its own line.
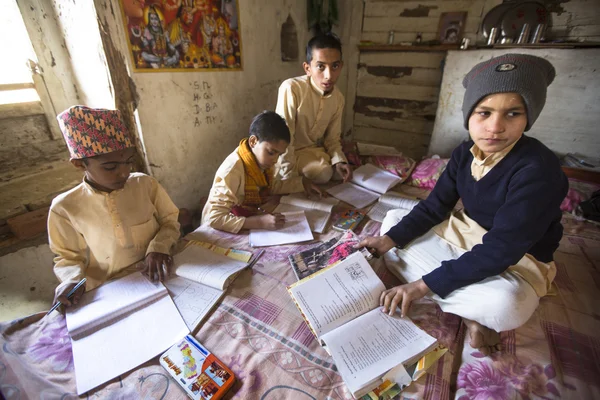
<point>317,211</point>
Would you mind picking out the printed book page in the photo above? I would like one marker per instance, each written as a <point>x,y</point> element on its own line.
<point>390,201</point>
<point>353,194</point>
<point>370,345</point>
<point>295,230</point>
<point>204,266</point>
<point>193,300</point>
<point>123,343</point>
<point>338,294</point>
<point>374,179</point>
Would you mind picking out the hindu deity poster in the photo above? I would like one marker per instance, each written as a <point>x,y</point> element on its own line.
<point>183,35</point>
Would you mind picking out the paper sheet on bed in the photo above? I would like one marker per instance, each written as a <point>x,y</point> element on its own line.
<point>317,212</point>
<point>295,230</point>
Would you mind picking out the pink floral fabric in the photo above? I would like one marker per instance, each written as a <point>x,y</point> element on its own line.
<point>258,332</point>
<point>427,172</point>
<point>578,191</point>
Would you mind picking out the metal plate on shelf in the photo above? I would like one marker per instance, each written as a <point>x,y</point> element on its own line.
<point>494,18</point>
<point>532,13</point>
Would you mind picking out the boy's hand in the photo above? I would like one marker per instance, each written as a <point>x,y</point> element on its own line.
<point>345,171</point>
<point>312,189</point>
<point>157,265</point>
<point>61,294</point>
<point>380,244</point>
<point>402,295</point>
<point>272,221</point>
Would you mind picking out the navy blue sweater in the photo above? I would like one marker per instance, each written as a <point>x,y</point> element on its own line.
<point>517,202</point>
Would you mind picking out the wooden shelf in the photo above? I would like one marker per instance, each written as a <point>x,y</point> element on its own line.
<point>400,47</point>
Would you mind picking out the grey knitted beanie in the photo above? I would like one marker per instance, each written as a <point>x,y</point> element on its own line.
<point>526,75</point>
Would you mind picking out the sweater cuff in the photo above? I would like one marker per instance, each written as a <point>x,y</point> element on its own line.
<point>437,281</point>
<point>399,236</point>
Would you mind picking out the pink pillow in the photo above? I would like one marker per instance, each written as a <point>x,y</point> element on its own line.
<point>398,165</point>
<point>427,172</point>
<point>578,191</point>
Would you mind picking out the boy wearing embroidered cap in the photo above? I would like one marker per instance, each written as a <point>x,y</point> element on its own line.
<point>114,218</point>
<point>491,262</point>
<point>245,180</point>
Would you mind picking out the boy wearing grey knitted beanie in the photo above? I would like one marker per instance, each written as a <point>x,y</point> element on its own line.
<point>500,259</point>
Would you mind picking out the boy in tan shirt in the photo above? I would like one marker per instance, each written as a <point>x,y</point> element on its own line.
<point>313,107</point>
<point>246,179</point>
<point>114,218</point>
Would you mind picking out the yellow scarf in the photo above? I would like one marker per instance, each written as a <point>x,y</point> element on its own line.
<point>258,181</point>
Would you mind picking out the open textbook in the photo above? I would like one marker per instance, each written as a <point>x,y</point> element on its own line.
<point>201,275</point>
<point>390,201</point>
<point>368,183</point>
<point>295,230</point>
<point>120,325</point>
<point>327,253</point>
<point>318,211</point>
<point>341,306</point>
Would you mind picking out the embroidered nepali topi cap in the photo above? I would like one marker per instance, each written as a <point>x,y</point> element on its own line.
<point>524,74</point>
<point>93,131</point>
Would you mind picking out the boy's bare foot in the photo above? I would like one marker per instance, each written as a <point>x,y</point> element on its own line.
<point>484,339</point>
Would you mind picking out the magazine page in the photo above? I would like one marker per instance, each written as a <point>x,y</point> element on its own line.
<point>350,193</point>
<point>375,179</point>
<point>337,294</point>
<point>368,346</point>
<point>204,266</point>
<point>325,254</point>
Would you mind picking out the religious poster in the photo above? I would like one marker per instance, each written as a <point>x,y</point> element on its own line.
<point>183,35</point>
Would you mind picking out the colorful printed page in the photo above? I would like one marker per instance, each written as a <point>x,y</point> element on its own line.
<point>205,266</point>
<point>295,230</point>
<point>335,295</point>
<point>122,330</point>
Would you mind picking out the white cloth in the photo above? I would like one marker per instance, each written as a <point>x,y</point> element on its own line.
<point>501,302</point>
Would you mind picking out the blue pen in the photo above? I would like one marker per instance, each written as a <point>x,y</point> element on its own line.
<point>71,293</point>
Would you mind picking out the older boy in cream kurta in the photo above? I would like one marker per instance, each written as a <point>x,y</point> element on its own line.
<point>315,122</point>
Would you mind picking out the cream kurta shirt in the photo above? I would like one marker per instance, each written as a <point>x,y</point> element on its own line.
<point>314,119</point>
<point>228,190</point>
<point>465,233</point>
<point>98,234</point>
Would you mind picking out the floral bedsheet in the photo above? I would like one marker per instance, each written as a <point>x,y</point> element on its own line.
<point>257,331</point>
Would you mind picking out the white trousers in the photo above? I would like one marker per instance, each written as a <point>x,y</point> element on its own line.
<point>502,302</point>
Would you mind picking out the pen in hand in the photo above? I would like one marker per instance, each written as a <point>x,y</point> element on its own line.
<point>69,295</point>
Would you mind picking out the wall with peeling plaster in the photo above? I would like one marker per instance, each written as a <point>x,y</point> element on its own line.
<point>397,92</point>
<point>190,121</point>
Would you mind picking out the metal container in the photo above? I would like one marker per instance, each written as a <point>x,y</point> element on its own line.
<point>465,44</point>
<point>391,37</point>
<point>538,35</point>
<point>506,40</point>
<point>493,36</point>
<point>524,35</point>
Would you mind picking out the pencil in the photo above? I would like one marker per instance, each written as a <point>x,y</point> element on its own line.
<point>71,293</point>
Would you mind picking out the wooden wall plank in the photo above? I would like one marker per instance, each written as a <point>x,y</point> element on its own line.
<point>413,145</point>
<point>399,75</point>
<point>426,8</point>
<point>395,108</point>
<point>389,122</point>
<point>403,59</point>
<point>409,92</point>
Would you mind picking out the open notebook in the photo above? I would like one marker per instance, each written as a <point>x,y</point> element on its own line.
<point>390,201</point>
<point>120,325</point>
<point>341,306</point>
<point>317,211</point>
<point>201,276</point>
<point>295,230</point>
<point>368,183</point>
